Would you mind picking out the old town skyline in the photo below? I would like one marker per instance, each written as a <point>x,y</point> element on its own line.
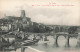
<point>63,15</point>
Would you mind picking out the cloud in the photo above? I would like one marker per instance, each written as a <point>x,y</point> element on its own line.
<point>48,15</point>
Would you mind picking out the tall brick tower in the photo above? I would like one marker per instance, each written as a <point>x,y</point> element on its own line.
<point>23,13</point>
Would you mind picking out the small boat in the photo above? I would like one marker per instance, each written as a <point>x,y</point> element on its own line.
<point>10,48</point>
<point>29,42</point>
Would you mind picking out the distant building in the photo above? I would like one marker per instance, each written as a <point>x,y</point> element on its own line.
<point>0,39</point>
<point>5,28</point>
<point>23,23</point>
<point>9,38</point>
<point>23,13</point>
<point>19,22</point>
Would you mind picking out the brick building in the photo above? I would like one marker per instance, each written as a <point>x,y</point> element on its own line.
<point>19,22</point>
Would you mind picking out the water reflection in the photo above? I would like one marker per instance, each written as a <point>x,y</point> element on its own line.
<point>62,41</point>
<point>49,46</point>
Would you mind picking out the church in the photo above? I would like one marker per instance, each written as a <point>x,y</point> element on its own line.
<point>20,22</point>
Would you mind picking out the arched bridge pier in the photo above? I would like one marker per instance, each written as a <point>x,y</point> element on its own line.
<point>67,36</point>
<point>56,36</point>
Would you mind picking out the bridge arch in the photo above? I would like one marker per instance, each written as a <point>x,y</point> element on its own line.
<point>56,39</point>
<point>62,41</point>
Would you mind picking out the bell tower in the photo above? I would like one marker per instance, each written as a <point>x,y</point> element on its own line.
<point>23,13</point>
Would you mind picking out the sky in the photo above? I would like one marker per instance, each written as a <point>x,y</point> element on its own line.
<point>50,15</point>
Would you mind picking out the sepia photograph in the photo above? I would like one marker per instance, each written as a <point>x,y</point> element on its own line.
<point>39,26</point>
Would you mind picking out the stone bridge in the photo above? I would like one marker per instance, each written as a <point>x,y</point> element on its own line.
<point>67,36</point>
<point>56,35</point>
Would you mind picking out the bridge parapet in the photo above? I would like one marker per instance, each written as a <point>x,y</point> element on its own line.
<point>73,35</point>
<point>58,34</point>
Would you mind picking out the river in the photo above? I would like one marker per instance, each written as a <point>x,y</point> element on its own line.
<point>49,46</point>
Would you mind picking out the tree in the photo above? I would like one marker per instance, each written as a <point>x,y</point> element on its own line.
<point>72,30</point>
<point>56,29</point>
<point>61,29</point>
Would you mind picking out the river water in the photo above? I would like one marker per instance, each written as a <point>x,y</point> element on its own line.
<point>49,46</point>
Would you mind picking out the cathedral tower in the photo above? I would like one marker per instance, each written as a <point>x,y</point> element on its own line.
<point>23,13</point>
